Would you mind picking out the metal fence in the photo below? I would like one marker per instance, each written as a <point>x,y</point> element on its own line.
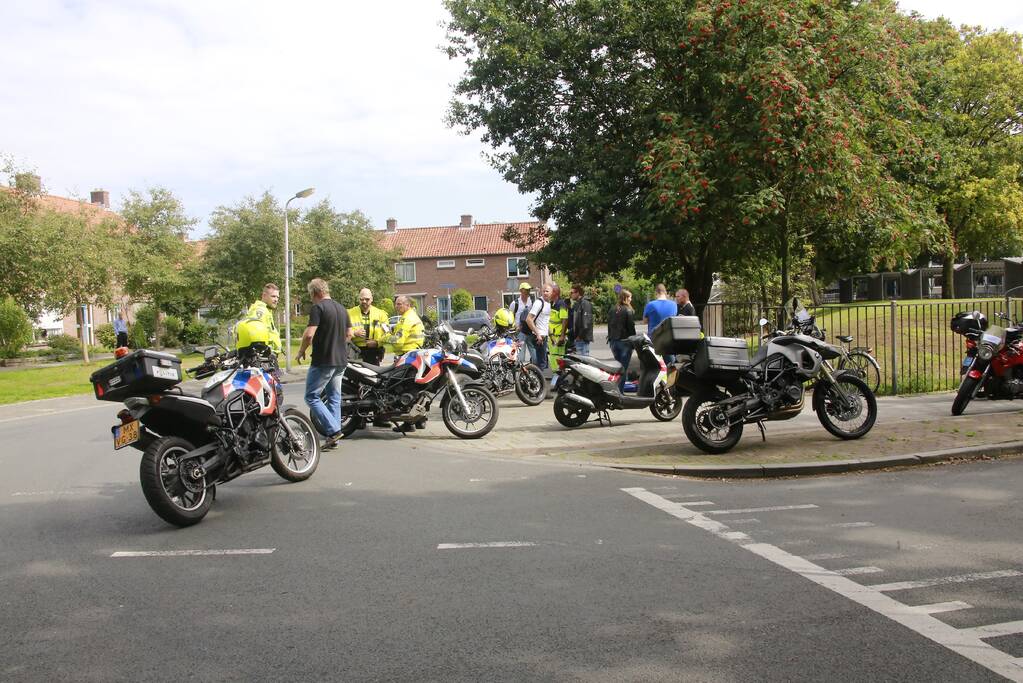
<point>912,342</point>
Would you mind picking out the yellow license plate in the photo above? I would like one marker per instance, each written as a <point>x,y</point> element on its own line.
<point>126,434</point>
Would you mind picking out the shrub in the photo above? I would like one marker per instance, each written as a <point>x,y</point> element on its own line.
<point>138,337</point>
<point>15,328</point>
<point>172,327</point>
<point>387,305</point>
<point>461,300</point>
<point>146,318</point>
<point>64,344</point>
<point>106,336</point>
<point>197,333</point>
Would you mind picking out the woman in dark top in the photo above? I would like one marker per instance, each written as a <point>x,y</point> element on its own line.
<point>621,324</point>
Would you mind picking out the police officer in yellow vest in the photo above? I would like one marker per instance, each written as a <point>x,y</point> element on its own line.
<point>262,310</point>
<point>408,333</point>
<point>369,328</point>
<point>558,326</point>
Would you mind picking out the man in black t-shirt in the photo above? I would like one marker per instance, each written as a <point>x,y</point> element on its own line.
<point>328,332</point>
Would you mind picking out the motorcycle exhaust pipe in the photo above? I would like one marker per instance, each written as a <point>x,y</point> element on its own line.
<point>581,400</point>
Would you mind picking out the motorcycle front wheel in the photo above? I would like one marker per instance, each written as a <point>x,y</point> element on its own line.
<point>667,405</point>
<point>164,489</point>
<point>706,426</point>
<point>569,413</point>
<point>296,462</point>
<point>530,386</point>
<point>482,416</point>
<point>847,408</point>
<point>967,388</point>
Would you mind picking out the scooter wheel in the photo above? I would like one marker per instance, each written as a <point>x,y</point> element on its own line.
<point>569,413</point>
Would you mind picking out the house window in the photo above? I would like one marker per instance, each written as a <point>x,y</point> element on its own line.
<point>418,302</point>
<point>475,263</point>
<point>405,272</point>
<point>479,303</point>
<point>518,267</point>
<point>508,297</point>
<point>445,264</point>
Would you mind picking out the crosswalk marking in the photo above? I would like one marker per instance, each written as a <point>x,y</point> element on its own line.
<point>192,553</point>
<point>1008,628</point>
<point>962,578</point>
<point>939,607</point>
<point>825,556</point>
<point>857,571</point>
<point>775,508</point>
<point>852,525</point>
<point>495,544</point>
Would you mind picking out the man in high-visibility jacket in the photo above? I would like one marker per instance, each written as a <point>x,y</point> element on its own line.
<point>262,310</point>
<point>408,333</point>
<point>369,328</point>
<point>558,327</point>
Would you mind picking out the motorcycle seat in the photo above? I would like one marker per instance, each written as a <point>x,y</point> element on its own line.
<point>611,366</point>
<point>847,338</point>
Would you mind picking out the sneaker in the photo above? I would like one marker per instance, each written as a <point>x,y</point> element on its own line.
<point>332,441</point>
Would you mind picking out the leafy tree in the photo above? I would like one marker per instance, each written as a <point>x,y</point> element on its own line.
<point>157,250</point>
<point>684,135</point>
<point>83,257</point>
<point>15,328</point>
<point>461,300</point>
<point>24,252</point>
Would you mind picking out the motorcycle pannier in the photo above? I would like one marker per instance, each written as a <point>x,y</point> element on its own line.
<point>678,334</point>
<point>721,355</point>
<point>140,372</point>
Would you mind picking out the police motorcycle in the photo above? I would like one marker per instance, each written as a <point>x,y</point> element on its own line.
<point>496,353</point>
<point>992,367</point>
<point>729,389</point>
<point>192,443</point>
<point>589,386</point>
<point>401,395</point>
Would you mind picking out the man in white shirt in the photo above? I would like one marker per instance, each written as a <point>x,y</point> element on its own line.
<point>538,320</point>
<point>520,309</point>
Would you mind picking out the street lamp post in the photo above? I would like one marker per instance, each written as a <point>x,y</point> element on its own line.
<point>287,280</point>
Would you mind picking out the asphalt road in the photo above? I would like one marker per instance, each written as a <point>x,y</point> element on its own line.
<point>372,570</point>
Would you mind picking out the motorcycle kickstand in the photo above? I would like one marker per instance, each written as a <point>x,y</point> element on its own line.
<point>604,415</point>
<point>763,431</point>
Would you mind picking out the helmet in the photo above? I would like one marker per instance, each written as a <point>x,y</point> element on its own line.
<point>251,331</point>
<point>503,319</point>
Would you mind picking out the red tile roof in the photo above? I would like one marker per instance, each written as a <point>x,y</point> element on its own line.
<point>482,239</point>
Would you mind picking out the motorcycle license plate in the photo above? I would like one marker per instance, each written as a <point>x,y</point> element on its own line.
<point>966,361</point>
<point>126,434</point>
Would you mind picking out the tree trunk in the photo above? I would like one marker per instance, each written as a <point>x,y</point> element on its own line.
<point>82,334</point>
<point>156,327</point>
<point>947,273</point>
<point>784,254</point>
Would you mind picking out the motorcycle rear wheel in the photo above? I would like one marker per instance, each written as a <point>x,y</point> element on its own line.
<point>483,407</point>
<point>829,407</point>
<point>286,462</point>
<point>530,385</point>
<point>569,413</point>
<point>163,488</point>
<point>967,388</point>
<point>667,405</point>
<point>700,428</point>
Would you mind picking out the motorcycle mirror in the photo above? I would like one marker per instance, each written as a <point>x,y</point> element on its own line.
<point>763,322</point>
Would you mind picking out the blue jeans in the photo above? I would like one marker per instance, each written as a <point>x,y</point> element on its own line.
<point>537,352</point>
<point>523,346</point>
<point>622,352</point>
<point>326,412</point>
<point>582,348</point>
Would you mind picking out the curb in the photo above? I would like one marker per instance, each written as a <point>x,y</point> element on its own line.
<point>838,466</point>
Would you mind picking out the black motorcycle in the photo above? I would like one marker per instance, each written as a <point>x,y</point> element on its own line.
<point>497,357</point>
<point>587,386</point>
<point>401,395</point>
<point>729,389</point>
<point>189,443</point>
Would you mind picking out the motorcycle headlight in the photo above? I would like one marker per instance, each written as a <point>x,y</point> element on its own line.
<point>985,352</point>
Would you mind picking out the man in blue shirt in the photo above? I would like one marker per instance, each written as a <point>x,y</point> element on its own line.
<point>658,309</point>
<point>121,329</point>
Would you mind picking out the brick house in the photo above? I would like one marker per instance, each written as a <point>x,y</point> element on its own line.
<point>435,261</point>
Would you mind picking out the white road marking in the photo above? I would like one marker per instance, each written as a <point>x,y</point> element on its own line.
<point>691,503</point>
<point>44,493</point>
<point>938,607</point>
<point>776,508</point>
<point>748,520</point>
<point>192,553</point>
<point>52,413</point>
<point>962,641</point>
<point>856,571</point>
<point>580,476</point>
<point>496,544</point>
<point>851,525</point>
<point>799,542</point>
<point>962,578</point>
<point>1009,628</point>
<point>825,556</point>
<point>475,480</point>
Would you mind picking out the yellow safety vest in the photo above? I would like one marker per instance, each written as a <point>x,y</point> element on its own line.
<point>260,311</point>
<point>408,333</point>
<point>374,322</point>
<point>559,318</point>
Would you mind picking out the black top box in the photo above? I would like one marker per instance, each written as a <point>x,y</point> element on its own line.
<point>677,334</point>
<point>718,356</point>
<point>137,374</point>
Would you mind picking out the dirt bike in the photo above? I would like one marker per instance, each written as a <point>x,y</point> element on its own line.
<point>190,444</point>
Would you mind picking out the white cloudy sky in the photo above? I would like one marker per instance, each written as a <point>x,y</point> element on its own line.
<point>225,98</point>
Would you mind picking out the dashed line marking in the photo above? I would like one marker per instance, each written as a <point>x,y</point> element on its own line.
<point>495,544</point>
<point>857,571</point>
<point>825,556</point>
<point>965,642</point>
<point>701,503</point>
<point>192,553</point>
<point>962,578</point>
<point>852,525</point>
<point>776,508</point>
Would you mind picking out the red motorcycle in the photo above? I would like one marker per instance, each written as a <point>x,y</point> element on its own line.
<point>993,365</point>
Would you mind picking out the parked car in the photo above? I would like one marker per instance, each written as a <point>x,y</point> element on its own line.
<point>470,319</point>
<point>393,320</point>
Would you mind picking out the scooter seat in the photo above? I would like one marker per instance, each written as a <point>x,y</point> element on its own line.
<point>611,366</point>
<point>844,338</point>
